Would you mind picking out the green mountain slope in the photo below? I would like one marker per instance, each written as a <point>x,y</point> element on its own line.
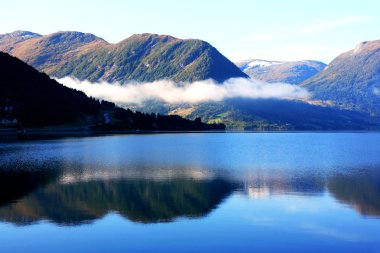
<point>352,80</point>
<point>144,57</point>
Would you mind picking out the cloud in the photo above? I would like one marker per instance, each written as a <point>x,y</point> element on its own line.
<point>315,27</point>
<point>376,91</point>
<point>332,232</point>
<point>175,93</point>
<point>304,39</point>
<point>332,24</point>
<point>262,37</point>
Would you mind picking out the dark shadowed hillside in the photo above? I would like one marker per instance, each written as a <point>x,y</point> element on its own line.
<point>34,99</point>
<point>29,98</point>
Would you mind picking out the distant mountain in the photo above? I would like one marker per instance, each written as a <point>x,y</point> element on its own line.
<point>280,71</point>
<point>142,57</point>
<point>8,40</point>
<point>29,98</point>
<point>351,81</point>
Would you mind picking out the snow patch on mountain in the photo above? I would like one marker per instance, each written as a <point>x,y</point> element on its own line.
<point>250,64</point>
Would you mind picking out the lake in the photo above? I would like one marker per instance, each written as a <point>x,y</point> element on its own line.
<point>192,192</point>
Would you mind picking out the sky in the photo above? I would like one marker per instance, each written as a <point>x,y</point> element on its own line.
<point>239,29</point>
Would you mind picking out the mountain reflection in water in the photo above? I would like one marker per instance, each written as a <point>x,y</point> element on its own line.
<point>73,194</point>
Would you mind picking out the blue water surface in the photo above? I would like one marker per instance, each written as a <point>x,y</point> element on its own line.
<point>193,192</point>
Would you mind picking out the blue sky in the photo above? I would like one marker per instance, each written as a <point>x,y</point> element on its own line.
<point>240,29</point>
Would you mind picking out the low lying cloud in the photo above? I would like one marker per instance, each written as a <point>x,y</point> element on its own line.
<point>196,92</point>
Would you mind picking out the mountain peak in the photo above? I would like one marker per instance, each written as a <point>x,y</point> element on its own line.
<point>351,80</point>
<point>281,71</point>
<point>152,35</point>
<point>365,46</point>
<point>255,63</point>
<point>21,33</point>
<point>149,36</point>
<point>72,36</point>
<point>17,36</point>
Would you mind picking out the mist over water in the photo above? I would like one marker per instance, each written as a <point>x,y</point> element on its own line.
<point>175,93</point>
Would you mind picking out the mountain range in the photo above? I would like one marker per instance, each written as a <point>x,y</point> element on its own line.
<point>344,94</point>
<point>350,82</point>
<point>281,71</point>
<point>141,57</point>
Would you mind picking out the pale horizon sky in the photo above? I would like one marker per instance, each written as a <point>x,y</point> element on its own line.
<point>239,29</point>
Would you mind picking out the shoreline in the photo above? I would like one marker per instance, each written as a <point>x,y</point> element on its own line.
<point>54,133</point>
<point>41,134</point>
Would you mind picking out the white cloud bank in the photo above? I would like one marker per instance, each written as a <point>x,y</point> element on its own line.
<point>196,92</point>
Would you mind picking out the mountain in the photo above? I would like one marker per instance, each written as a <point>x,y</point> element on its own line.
<point>149,57</point>
<point>141,57</point>
<point>8,40</point>
<point>29,98</point>
<point>351,81</point>
<point>280,71</point>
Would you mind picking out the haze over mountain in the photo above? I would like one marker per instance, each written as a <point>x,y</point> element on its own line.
<point>281,71</point>
<point>351,81</point>
<point>141,57</point>
<point>241,104</point>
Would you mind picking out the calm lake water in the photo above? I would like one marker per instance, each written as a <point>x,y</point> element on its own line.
<point>220,192</point>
